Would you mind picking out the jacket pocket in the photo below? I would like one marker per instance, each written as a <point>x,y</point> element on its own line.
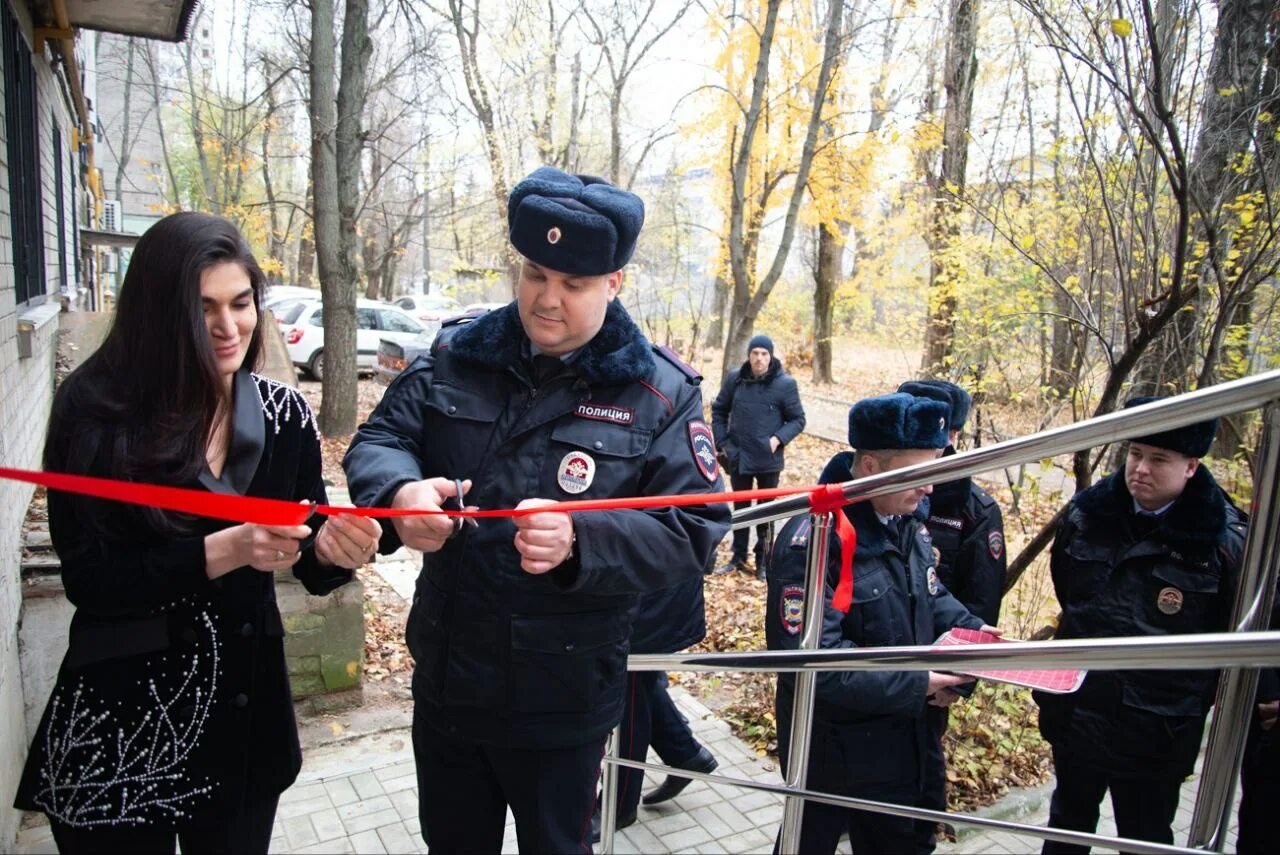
<point>589,458</point>
<point>99,641</point>
<point>1180,600</point>
<point>424,633</point>
<point>873,598</point>
<point>565,663</point>
<point>458,426</point>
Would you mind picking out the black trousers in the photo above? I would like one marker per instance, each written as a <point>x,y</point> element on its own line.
<point>1144,808</point>
<point>763,480</point>
<point>649,718</point>
<point>869,833</point>
<point>464,788</point>
<point>1259,790</point>
<point>933,789</point>
<point>245,828</point>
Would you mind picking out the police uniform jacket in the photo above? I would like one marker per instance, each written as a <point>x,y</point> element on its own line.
<point>670,620</point>
<point>1116,574</point>
<point>507,657</point>
<point>751,409</point>
<point>968,530</point>
<point>870,733</point>
<point>173,695</point>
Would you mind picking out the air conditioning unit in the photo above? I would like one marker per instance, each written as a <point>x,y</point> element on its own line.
<point>112,215</point>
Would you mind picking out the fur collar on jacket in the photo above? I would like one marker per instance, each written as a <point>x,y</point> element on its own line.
<point>618,354</point>
<point>1198,517</point>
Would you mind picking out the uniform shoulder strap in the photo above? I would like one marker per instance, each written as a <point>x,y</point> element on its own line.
<point>691,375</point>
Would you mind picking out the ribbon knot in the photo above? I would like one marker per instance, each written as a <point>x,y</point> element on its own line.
<point>829,499</point>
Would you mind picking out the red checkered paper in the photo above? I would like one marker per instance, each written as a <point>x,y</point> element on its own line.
<point>1059,682</point>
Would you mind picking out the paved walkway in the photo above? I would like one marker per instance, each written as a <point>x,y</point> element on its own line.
<point>361,796</point>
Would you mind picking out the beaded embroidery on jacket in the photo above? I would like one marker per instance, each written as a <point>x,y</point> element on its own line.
<point>280,402</point>
<point>110,767</point>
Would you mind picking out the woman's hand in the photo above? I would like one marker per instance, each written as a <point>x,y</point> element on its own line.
<point>348,541</point>
<point>262,547</point>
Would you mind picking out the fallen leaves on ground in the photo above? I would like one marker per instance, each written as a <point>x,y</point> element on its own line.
<point>386,656</point>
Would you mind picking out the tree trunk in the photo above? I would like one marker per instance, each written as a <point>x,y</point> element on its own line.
<point>275,237</point>
<point>826,280</point>
<point>960,70</point>
<point>306,265</point>
<point>478,92</point>
<point>338,403</point>
<point>747,303</point>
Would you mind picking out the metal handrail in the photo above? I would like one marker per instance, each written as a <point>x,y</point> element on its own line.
<point>1261,565</point>
<point>1245,394</point>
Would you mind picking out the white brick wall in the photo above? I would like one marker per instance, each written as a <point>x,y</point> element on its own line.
<point>26,390</point>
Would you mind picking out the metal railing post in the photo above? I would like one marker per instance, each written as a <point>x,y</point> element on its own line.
<point>1233,707</point>
<point>806,682</point>
<point>609,800</point>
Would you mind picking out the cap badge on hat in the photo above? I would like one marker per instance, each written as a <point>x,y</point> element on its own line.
<point>553,235</point>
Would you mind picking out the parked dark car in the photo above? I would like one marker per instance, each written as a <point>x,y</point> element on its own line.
<point>394,356</point>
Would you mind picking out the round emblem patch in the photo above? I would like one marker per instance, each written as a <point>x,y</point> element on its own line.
<point>553,235</point>
<point>932,576</point>
<point>1169,601</point>
<point>577,471</point>
<point>791,609</point>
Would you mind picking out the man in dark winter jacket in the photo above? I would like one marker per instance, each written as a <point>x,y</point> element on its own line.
<point>869,728</point>
<point>756,414</point>
<point>1153,549</point>
<point>968,532</point>
<point>520,627</point>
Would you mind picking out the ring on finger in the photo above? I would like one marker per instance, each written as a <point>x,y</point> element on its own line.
<point>279,555</point>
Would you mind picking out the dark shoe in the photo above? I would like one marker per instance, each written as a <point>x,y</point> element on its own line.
<point>734,564</point>
<point>760,574</point>
<point>672,786</point>
<point>623,822</point>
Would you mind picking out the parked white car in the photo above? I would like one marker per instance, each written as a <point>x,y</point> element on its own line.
<point>304,334</point>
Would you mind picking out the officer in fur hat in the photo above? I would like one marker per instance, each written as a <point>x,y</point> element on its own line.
<point>1153,549</point>
<point>520,627</point>
<point>870,732</point>
<point>968,532</point>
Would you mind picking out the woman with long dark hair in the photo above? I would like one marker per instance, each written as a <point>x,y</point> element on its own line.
<point>171,718</point>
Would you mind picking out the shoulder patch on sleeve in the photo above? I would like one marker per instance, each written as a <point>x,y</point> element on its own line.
<point>670,356</point>
<point>995,543</point>
<point>703,447</point>
<point>791,609</point>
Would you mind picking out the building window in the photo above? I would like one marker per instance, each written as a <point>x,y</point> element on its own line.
<point>24,166</point>
<point>60,206</point>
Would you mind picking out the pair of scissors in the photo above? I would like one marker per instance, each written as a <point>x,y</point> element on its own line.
<point>459,522</point>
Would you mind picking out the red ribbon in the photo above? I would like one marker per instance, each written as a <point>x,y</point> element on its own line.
<point>249,509</point>
<point>823,498</point>
<point>829,498</point>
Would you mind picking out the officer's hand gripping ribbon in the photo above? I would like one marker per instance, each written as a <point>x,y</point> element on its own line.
<point>829,499</point>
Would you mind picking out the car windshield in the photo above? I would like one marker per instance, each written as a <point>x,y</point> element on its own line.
<point>290,313</point>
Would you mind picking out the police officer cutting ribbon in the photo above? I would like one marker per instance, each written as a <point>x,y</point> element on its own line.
<point>520,627</point>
